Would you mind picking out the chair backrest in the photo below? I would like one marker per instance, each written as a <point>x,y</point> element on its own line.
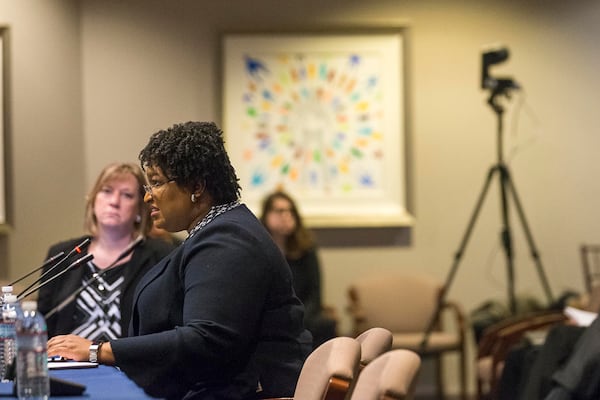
<point>390,376</point>
<point>329,370</point>
<point>590,262</point>
<point>373,343</point>
<point>397,301</point>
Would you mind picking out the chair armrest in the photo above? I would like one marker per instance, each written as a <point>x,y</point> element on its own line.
<point>330,311</point>
<point>355,310</point>
<point>459,317</point>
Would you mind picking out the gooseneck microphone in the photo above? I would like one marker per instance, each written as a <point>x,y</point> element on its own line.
<point>44,265</point>
<point>125,252</point>
<point>73,265</point>
<point>77,249</point>
<point>95,277</point>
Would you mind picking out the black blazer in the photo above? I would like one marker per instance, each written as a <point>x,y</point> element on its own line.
<point>145,256</point>
<point>217,317</point>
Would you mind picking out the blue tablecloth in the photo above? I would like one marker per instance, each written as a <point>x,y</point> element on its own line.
<point>102,383</point>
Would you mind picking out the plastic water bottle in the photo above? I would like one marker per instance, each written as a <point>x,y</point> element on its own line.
<point>7,333</point>
<point>33,382</point>
<point>10,312</point>
<point>5,290</point>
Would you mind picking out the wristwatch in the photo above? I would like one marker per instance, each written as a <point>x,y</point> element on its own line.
<point>94,350</point>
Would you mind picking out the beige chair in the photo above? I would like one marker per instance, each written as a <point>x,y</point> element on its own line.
<point>499,339</point>
<point>373,343</point>
<point>389,376</point>
<point>329,371</point>
<point>404,304</point>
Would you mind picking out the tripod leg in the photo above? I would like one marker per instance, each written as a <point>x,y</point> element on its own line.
<point>534,252</point>
<point>507,239</point>
<point>458,256</point>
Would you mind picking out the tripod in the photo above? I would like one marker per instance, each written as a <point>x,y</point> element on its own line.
<point>507,191</point>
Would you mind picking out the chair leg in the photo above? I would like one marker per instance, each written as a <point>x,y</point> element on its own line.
<point>463,375</point>
<point>439,377</point>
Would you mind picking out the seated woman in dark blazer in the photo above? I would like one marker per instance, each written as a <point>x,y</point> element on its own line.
<point>217,318</point>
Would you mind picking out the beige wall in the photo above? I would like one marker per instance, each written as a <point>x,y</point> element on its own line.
<point>89,86</point>
<point>47,170</point>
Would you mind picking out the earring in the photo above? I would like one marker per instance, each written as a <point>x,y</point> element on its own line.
<point>193,197</point>
<point>138,218</point>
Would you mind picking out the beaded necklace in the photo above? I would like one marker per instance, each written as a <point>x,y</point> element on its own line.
<point>212,214</point>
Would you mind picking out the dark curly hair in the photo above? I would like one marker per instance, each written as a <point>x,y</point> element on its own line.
<point>192,154</point>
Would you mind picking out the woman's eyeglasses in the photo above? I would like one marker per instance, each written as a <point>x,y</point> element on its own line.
<point>151,186</point>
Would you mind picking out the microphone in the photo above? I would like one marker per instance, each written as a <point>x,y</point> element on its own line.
<point>95,277</point>
<point>126,252</point>
<point>44,265</point>
<point>73,265</point>
<point>77,249</point>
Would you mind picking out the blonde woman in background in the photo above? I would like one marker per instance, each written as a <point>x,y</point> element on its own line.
<point>115,215</point>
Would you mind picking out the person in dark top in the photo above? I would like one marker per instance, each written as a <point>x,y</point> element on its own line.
<point>281,218</point>
<point>115,215</point>
<point>217,318</point>
<point>578,378</point>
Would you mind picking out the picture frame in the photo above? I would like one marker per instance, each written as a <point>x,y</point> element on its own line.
<point>4,131</point>
<point>321,115</point>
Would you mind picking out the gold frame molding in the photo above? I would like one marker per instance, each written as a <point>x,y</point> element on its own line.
<point>346,84</point>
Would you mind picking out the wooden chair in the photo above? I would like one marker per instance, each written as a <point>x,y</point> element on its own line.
<point>391,376</point>
<point>499,339</point>
<point>404,304</point>
<point>328,371</point>
<point>373,343</point>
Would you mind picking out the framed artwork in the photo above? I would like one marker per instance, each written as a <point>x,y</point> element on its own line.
<point>320,115</point>
<point>3,125</point>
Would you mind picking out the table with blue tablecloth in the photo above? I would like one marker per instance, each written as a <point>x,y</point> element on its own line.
<point>102,383</point>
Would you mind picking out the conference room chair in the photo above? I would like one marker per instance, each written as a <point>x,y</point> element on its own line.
<point>373,343</point>
<point>328,372</point>
<point>498,340</point>
<point>405,303</point>
<point>391,376</point>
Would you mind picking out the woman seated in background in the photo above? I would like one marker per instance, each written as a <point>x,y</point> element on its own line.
<point>282,219</point>
<point>218,317</point>
<point>115,215</point>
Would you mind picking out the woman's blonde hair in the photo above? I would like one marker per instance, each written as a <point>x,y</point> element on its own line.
<point>112,171</point>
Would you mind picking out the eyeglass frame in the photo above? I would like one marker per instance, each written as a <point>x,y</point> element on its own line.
<point>150,186</point>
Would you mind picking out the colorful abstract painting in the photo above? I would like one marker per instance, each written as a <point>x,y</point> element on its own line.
<point>318,116</point>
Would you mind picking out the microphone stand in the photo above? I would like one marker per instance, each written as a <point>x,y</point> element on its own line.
<point>94,278</point>
<point>45,264</point>
<point>75,264</point>
<point>76,249</point>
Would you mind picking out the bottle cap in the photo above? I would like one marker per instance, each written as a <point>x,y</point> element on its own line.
<point>29,305</point>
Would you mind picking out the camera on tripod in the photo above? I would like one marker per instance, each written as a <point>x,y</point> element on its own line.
<point>497,85</point>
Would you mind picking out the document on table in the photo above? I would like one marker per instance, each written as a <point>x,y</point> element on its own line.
<point>581,317</point>
<point>71,364</point>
